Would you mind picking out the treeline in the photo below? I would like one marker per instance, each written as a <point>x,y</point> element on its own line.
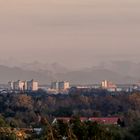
<point>77,130</point>
<point>26,110</point>
<point>23,110</point>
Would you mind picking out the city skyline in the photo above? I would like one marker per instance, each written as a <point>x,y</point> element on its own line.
<point>73,33</point>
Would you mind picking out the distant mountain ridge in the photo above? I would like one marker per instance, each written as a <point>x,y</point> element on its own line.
<point>96,76</point>
<point>38,66</point>
<point>83,76</point>
<point>16,73</point>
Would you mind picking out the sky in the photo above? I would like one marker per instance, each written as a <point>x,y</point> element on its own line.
<point>75,33</point>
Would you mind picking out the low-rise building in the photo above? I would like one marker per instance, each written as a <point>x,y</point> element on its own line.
<point>100,120</point>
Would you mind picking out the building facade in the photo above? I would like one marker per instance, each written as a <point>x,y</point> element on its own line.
<point>64,85</point>
<point>61,86</point>
<point>55,85</point>
<point>32,85</point>
<point>23,85</point>
<point>19,85</point>
<point>108,85</point>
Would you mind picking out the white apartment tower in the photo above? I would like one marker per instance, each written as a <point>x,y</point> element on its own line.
<point>11,85</point>
<point>23,85</point>
<point>19,85</point>
<point>63,85</point>
<point>104,84</point>
<point>55,85</point>
<point>32,85</point>
<point>107,84</point>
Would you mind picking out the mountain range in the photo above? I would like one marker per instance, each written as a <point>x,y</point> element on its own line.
<point>116,71</point>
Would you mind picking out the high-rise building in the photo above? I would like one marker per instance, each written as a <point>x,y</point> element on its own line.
<point>55,85</point>
<point>108,85</point>
<point>23,85</point>
<point>104,84</point>
<point>11,85</point>
<point>19,85</point>
<point>60,86</point>
<point>32,85</point>
<point>64,85</point>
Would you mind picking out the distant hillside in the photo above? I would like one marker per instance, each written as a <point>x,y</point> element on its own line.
<point>15,73</point>
<point>85,76</point>
<point>43,67</point>
<point>95,76</point>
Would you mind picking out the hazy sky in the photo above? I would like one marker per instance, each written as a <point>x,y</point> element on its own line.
<point>71,32</point>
